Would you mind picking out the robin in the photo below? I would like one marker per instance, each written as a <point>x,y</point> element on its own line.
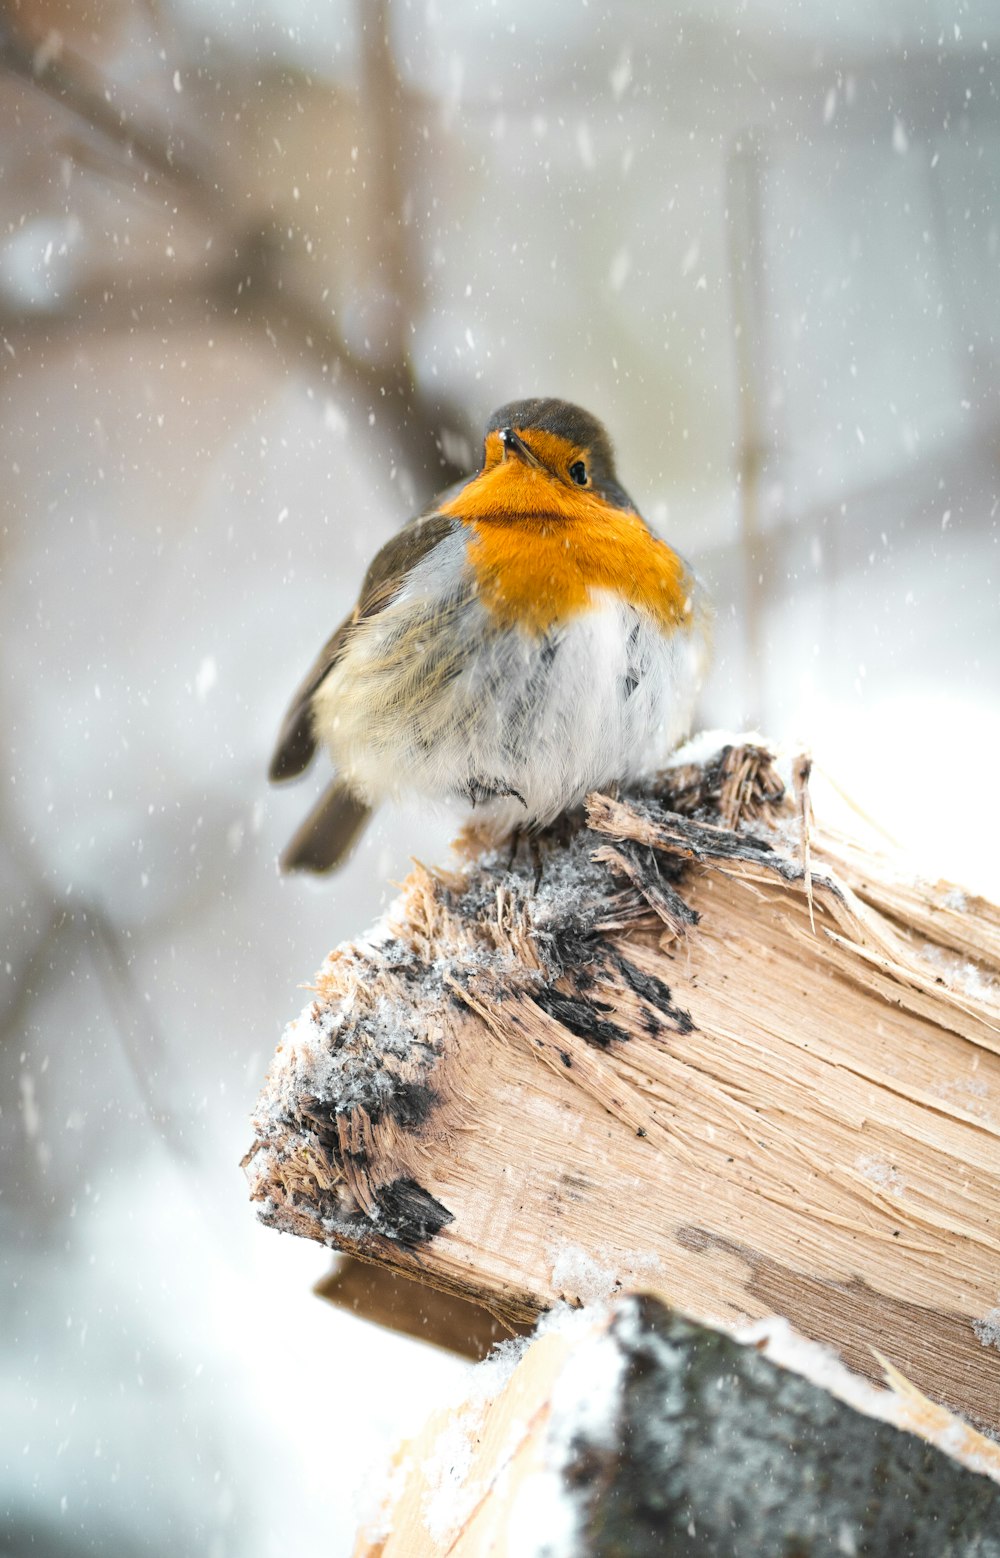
<point>524,640</point>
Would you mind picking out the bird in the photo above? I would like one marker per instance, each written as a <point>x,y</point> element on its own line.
<point>525,639</point>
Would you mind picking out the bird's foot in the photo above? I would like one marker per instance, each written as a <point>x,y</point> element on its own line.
<point>480,791</point>
<point>529,837</point>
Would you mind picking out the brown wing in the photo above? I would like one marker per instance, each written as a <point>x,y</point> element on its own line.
<point>296,742</point>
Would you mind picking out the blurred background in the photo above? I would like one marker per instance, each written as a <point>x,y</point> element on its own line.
<point>265,267</point>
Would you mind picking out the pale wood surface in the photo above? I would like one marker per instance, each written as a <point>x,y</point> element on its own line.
<point>454,1488</point>
<point>791,1106</point>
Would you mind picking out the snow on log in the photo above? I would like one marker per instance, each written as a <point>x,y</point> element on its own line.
<point>717,1051</point>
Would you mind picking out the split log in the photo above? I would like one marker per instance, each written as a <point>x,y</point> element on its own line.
<point>748,1064</point>
<point>640,1433</point>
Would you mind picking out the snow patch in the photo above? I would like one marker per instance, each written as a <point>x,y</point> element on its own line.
<point>577,1275</point>
<point>545,1516</point>
<point>988,1329</point>
<point>581,1278</point>
<point>206,678</point>
<point>960,973</point>
<point>450,1498</point>
<point>880,1173</point>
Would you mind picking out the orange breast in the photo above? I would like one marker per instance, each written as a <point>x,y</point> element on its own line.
<point>540,549</point>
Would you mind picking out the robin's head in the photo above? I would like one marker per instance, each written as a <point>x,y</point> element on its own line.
<point>560,440</point>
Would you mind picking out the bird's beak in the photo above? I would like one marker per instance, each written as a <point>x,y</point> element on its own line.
<point>513,443</point>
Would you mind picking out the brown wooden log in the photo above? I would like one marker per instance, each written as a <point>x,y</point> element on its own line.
<point>752,1067</point>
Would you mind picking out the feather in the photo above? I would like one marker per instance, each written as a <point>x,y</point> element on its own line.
<point>329,833</point>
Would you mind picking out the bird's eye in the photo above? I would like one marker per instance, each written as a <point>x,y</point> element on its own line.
<point>578,473</point>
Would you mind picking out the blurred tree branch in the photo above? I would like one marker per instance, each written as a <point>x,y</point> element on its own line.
<point>385,122</point>
<point>62,75</point>
<point>85,934</point>
<point>246,281</point>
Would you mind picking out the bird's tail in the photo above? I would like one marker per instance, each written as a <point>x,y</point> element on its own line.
<point>329,833</point>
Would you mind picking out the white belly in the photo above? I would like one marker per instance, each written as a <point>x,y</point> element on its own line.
<point>428,703</point>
